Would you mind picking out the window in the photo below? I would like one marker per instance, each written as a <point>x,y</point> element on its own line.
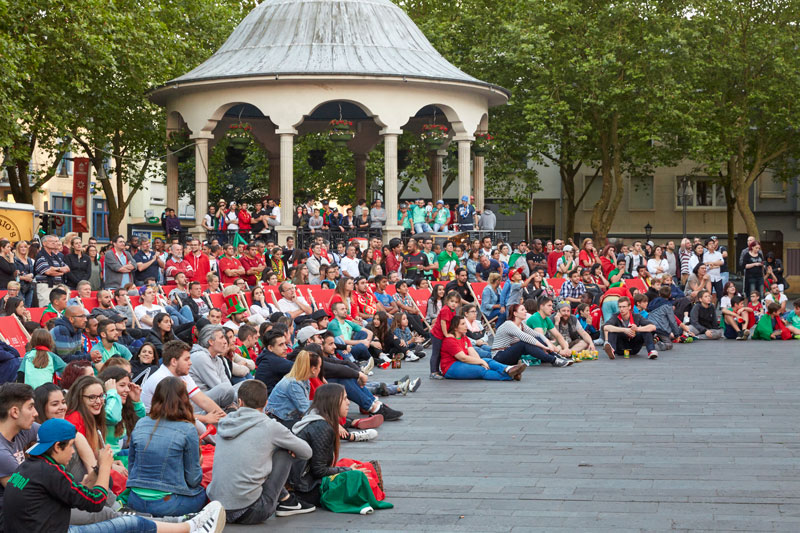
<point>640,193</point>
<point>770,186</point>
<point>100,219</point>
<point>701,193</point>
<point>594,192</point>
<point>61,204</point>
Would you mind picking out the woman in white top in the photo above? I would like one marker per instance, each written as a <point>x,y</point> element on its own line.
<point>209,221</point>
<point>148,309</point>
<point>657,265</point>
<point>231,218</point>
<point>261,308</point>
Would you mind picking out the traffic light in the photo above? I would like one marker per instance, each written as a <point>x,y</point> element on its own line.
<point>44,224</point>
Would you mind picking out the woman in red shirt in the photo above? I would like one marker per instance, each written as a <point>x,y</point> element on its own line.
<point>344,293</point>
<point>461,361</point>
<point>588,255</point>
<point>608,259</point>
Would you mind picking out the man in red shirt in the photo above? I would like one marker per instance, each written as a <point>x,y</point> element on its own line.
<point>176,263</point>
<point>394,260</point>
<point>253,265</point>
<point>198,261</point>
<point>244,221</point>
<point>366,303</point>
<point>230,268</point>
<point>554,256</point>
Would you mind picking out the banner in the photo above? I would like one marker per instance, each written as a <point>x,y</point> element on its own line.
<point>80,193</point>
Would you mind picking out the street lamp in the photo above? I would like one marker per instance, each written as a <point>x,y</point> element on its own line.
<point>648,230</point>
<point>683,197</point>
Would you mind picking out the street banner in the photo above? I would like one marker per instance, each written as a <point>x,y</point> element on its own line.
<point>80,193</point>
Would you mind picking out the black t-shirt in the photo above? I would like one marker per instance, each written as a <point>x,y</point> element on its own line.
<point>536,257</point>
<point>464,291</point>
<point>258,226</point>
<point>413,262</point>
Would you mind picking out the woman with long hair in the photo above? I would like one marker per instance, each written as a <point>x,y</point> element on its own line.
<point>300,275</point>
<point>491,306</point>
<point>40,364</point>
<point>144,362</point>
<point>753,266</point>
<point>96,275</point>
<point>74,371</point>
<point>475,330</point>
<point>161,332</point>
<point>16,306</point>
<point>8,269</point>
<point>276,263</point>
<point>85,410</point>
<point>164,457</point>
<point>698,281</point>
<point>435,303</point>
<point>329,274</point>
<point>537,288</point>
<point>598,278</point>
<point>657,265</point>
<point>25,266</point>
<point>123,405</point>
<point>588,254</point>
<point>261,307</point>
<point>344,293</point>
<point>411,343</point>
<point>366,262</point>
<point>461,361</point>
<point>608,259</point>
<point>289,399</point>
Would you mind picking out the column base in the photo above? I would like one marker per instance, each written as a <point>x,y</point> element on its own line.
<point>391,232</point>
<point>284,232</point>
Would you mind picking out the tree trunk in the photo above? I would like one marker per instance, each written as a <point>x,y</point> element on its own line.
<point>569,188</point>
<point>730,211</point>
<point>605,209</point>
<point>743,205</point>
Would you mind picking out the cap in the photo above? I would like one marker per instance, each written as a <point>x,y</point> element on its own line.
<point>651,243</point>
<point>440,202</point>
<point>520,271</point>
<point>318,315</point>
<point>465,198</point>
<point>307,332</point>
<point>53,430</point>
<point>714,238</point>
<point>568,248</point>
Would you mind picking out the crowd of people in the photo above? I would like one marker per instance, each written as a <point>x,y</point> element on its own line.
<point>141,355</point>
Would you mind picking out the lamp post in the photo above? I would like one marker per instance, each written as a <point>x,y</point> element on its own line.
<point>648,230</point>
<point>684,184</point>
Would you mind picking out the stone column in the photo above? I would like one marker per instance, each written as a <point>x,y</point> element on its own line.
<point>361,176</point>
<point>391,230</point>
<point>200,185</point>
<point>274,175</point>
<point>477,176</point>
<point>286,228</point>
<point>172,180</point>
<point>437,157</point>
<point>463,167</point>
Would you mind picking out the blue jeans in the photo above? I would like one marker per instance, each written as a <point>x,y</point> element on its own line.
<point>27,297</point>
<point>360,351</point>
<point>461,370</point>
<point>357,394</point>
<point>421,227</point>
<point>752,284</point>
<point>484,351</point>
<point>501,317</point>
<point>176,505</point>
<point>121,524</point>
<point>436,354</point>
<point>610,308</point>
<point>179,317</point>
<point>439,227</point>
<point>511,355</point>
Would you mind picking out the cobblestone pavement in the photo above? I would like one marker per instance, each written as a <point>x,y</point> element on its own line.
<point>703,438</point>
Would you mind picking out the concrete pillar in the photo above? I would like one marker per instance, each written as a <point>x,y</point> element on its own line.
<point>437,157</point>
<point>274,176</point>
<point>200,185</point>
<point>172,180</point>
<point>477,176</point>
<point>361,176</point>
<point>391,229</point>
<point>464,181</point>
<point>286,229</point>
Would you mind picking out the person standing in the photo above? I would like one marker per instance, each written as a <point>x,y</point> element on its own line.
<point>50,267</point>
<point>80,267</point>
<point>118,265</point>
<point>378,216</point>
<point>8,269</point>
<point>467,218</point>
<point>148,264</point>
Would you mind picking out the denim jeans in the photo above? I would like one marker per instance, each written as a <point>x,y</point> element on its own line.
<point>176,505</point>
<point>461,370</point>
<point>752,284</point>
<point>360,351</point>
<point>439,227</point>
<point>177,317</point>
<point>422,227</point>
<point>121,524</point>
<point>501,316</point>
<point>372,387</point>
<point>356,393</point>
<point>436,354</point>
<point>27,297</point>
<point>511,355</point>
<point>484,351</point>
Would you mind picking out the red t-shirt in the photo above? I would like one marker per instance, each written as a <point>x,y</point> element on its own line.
<point>445,314</point>
<point>450,347</point>
<point>76,420</point>
<point>228,263</point>
<point>244,220</point>
<point>585,260</point>
<point>248,263</point>
<point>552,262</point>
<point>200,264</point>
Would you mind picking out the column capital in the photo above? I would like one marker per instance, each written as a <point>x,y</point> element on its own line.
<point>285,131</point>
<point>391,131</point>
<point>463,138</point>
<point>203,137</point>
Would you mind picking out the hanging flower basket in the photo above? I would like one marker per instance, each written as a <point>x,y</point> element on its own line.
<point>239,135</point>
<point>434,135</point>
<point>177,139</point>
<point>341,132</point>
<point>483,143</point>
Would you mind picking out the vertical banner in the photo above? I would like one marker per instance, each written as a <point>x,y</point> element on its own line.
<point>80,193</point>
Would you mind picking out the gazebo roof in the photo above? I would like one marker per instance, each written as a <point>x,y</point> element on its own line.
<point>328,37</point>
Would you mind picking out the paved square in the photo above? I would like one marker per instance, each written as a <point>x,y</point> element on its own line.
<point>704,438</point>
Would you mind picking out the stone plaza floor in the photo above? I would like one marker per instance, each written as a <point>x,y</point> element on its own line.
<point>703,438</point>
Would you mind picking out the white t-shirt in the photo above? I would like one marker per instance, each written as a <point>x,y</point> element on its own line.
<point>276,212</point>
<point>149,387</point>
<point>713,273</point>
<point>208,220</point>
<point>770,298</point>
<point>288,307</point>
<point>233,326</point>
<point>350,266</point>
<point>232,220</point>
<point>653,264</point>
<point>142,311</point>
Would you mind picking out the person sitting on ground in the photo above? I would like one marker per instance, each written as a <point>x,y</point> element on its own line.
<point>570,329</point>
<point>661,312</point>
<point>490,300</point>
<point>772,326</point>
<point>350,333</point>
<point>253,458</point>
<point>775,295</point>
<point>405,303</point>
<point>703,321</point>
<point>475,330</point>
<point>289,399</point>
<point>627,331</point>
<point>459,360</point>
<point>409,340</point>
<point>514,338</point>
<point>734,319</point>
<point>542,323</point>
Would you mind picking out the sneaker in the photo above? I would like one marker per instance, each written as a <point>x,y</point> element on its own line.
<point>385,358</point>
<point>420,353</point>
<point>402,388</point>
<point>745,334</point>
<point>362,435</point>
<point>797,337</point>
<point>436,375</point>
<point>404,378</point>
<point>598,342</point>
<point>415,385</point>
<point>652,354</point>
<point>410,357</point>
<point>562,362</point>
<point>516,371</point>
<point>609,350</point>
<point>427,343</point>
<point>370,364</point>
<point>370,422</point>
<point>382,389</point>
<point>389,414</point>
<point>292,506</point>
<point>210,520</point>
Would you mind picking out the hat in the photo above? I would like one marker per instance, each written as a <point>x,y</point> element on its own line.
<point>307,332</point>
<point>714,238</point>
<point>234,304</point>
<point>562,305</point>
<point>439,202</point>
<point>465,198</point>
<point>53,430</point>
<point>651,243</point>
<point>318,315</point>
<point>520,271</point>
<point>568,248</point>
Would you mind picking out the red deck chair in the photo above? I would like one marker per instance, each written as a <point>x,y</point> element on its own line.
<point>90,303</point>
<point>640,285</point>
<point>14,334</point>
<point>36,313</point>
<point>218,300</point>
<point>320,296</point>
<point>555,284</point>
<point>421,297</point>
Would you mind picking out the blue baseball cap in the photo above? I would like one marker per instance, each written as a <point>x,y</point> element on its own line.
<point>53,430</point>
<point>465,198</point>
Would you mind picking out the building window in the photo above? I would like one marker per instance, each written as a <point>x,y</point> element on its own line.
<point>61,204</point>
<point>593,194</point>
<point>770,186</point>
<point>701,193</point>
<point>640,193</point>
<point>100,219</point>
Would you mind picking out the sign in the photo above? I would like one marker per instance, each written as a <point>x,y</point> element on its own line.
<point>80,194</point>
<point>16,221</point>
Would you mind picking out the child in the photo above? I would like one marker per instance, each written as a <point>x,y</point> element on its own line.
<point>771,326</point>
<point>40,364</point>
<point>439,331</point>
<point>794,317</point>
<point>408,339</point>
<point>640,304</point>
<point>734,319</point>
<point>756,309</point>
<point>585,318</point>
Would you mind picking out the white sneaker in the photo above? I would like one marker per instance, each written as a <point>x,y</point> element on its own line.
<point>414,385</point>
<point>411,357</point>
<point>210,520</point>
<point>385,358</point>
<point>403,387</point>
<point>363,435</point>
<point>369,365</point>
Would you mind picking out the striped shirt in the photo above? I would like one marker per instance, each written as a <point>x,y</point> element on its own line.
<point>509,333</point>
<point>685,256</point>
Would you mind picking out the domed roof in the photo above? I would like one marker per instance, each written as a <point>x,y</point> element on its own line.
<point>327,37</point>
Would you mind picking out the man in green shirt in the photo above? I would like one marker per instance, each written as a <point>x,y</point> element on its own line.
<point>404,217</point>
<point>615,276</point>
<point>433,259</point>
<point>108,345</point>
<point>419,215</point>
<point>440,217</point>
<point>541,323</point>
<point>349,333</point>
